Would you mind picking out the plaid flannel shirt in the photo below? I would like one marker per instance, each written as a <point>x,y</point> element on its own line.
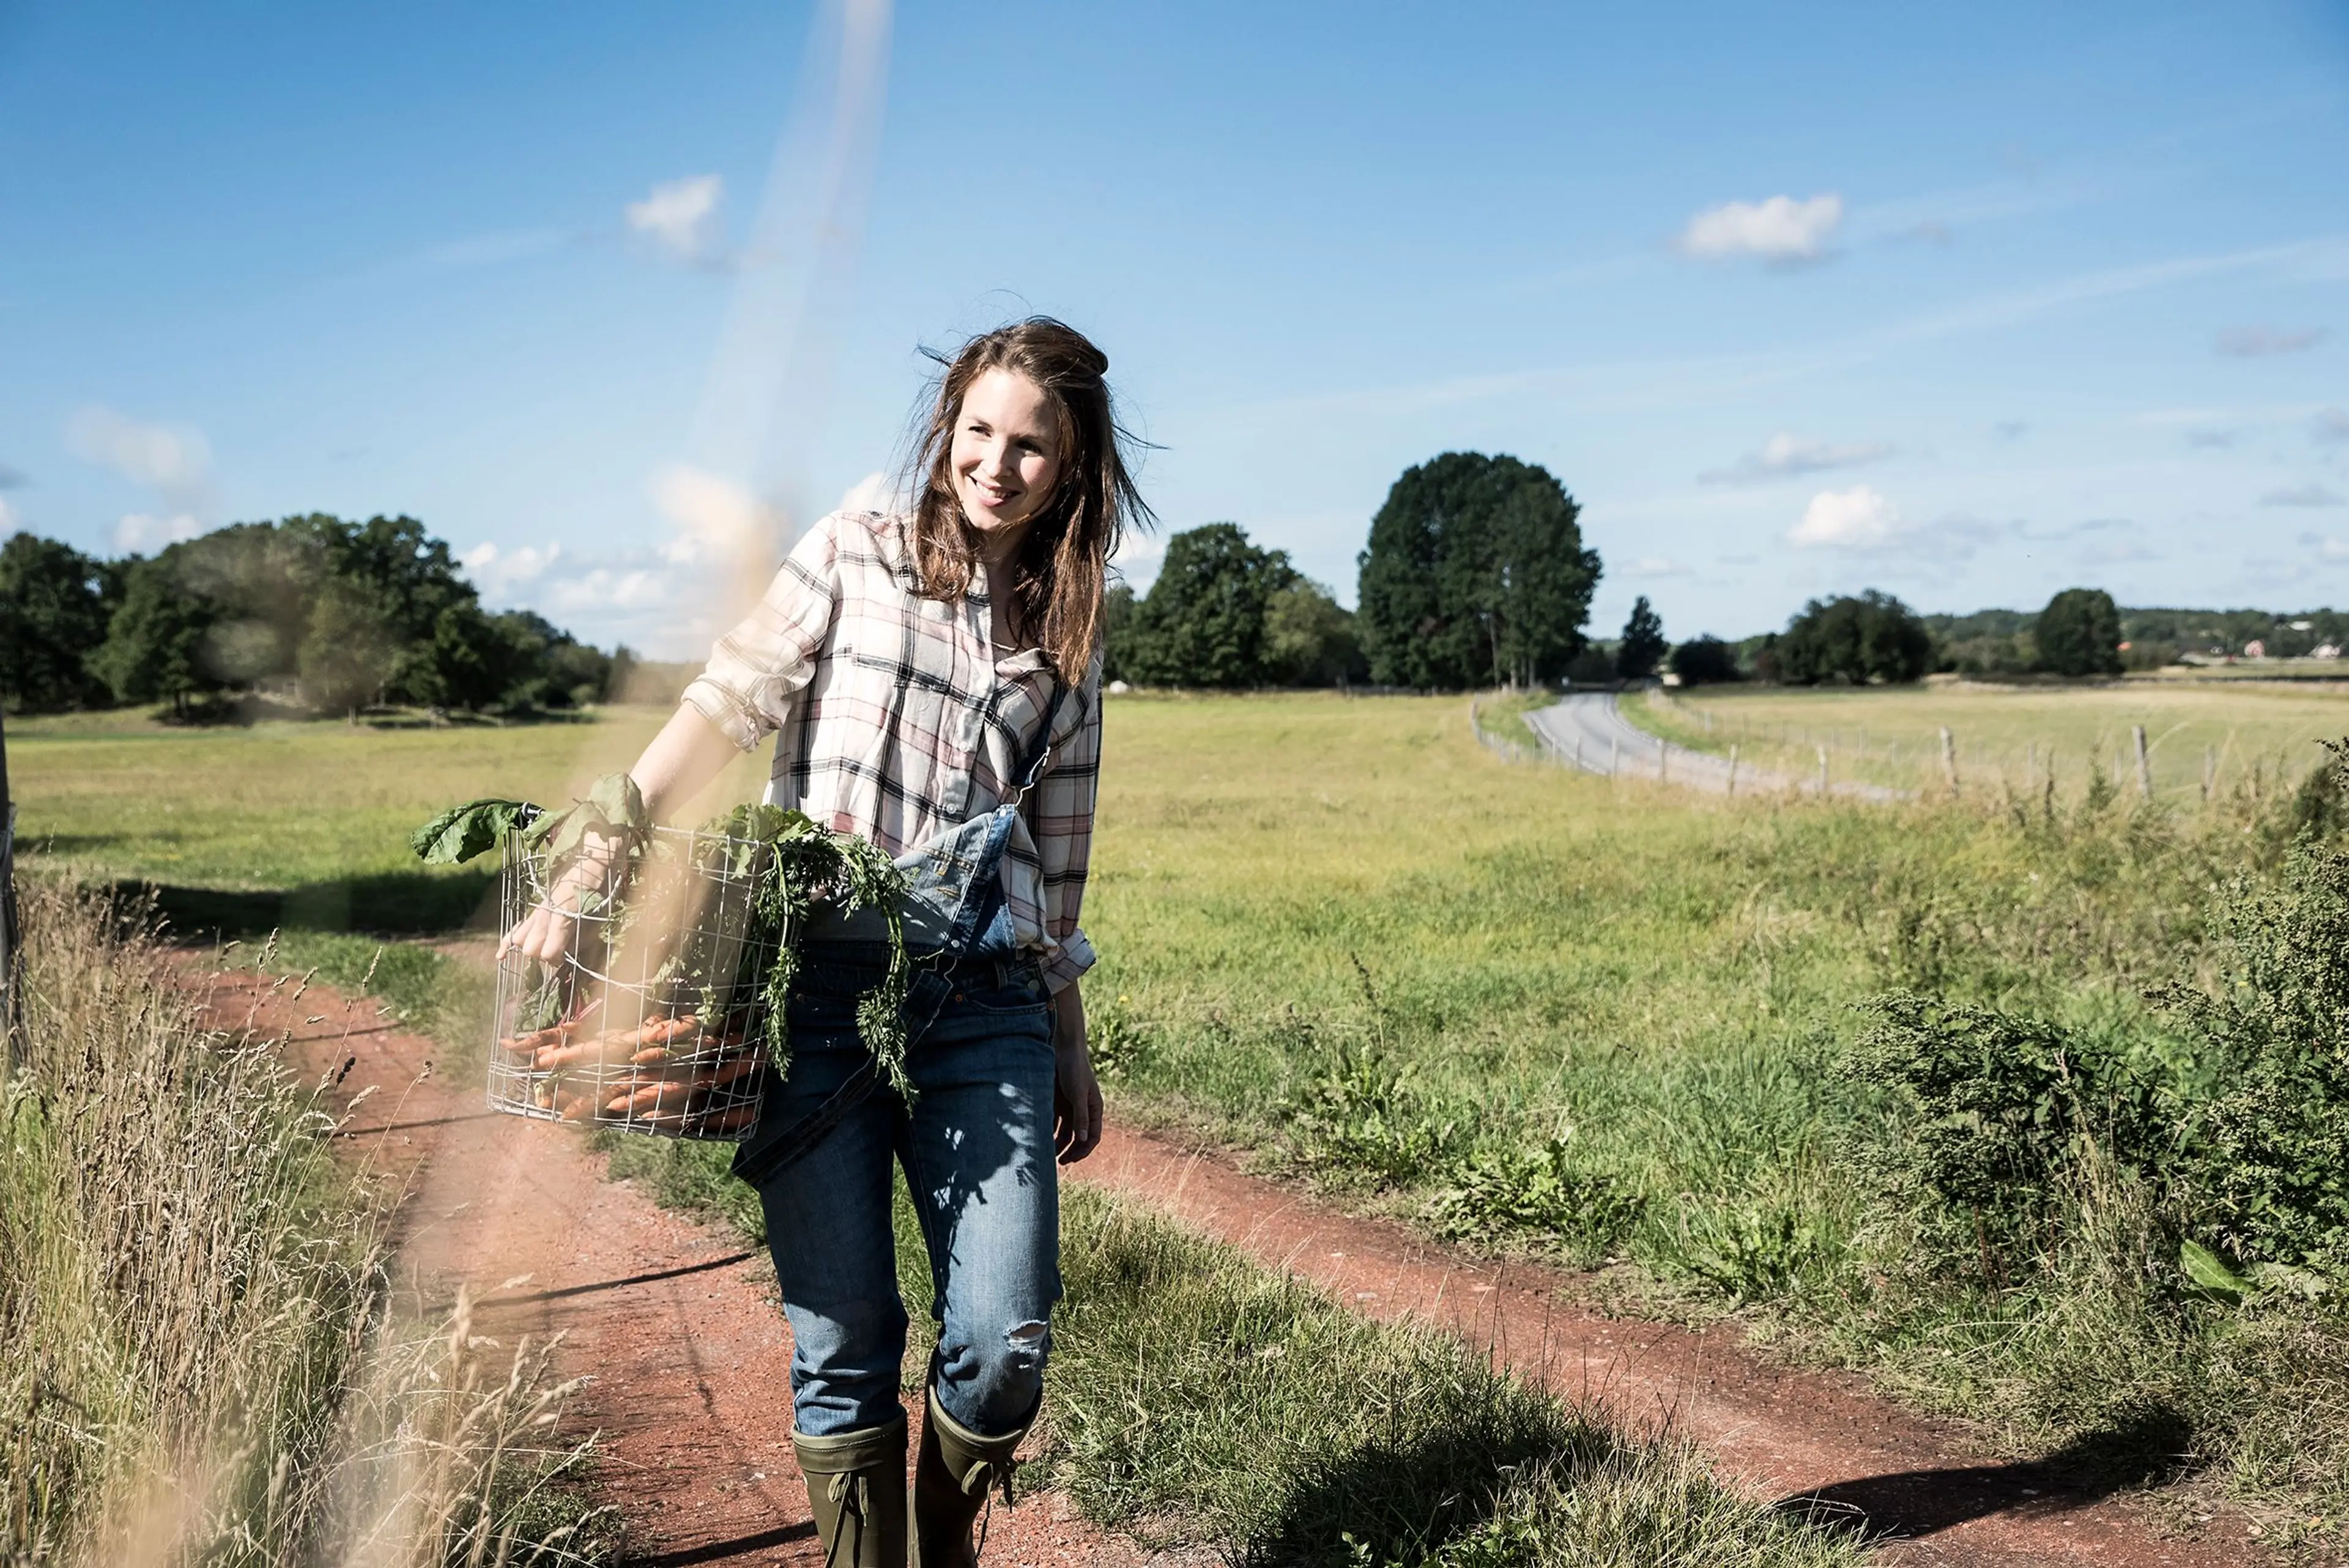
<point>894,721</point>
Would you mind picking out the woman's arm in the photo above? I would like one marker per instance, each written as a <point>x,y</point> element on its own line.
<point>754,679</point>
<point>682,760</point>
<point>1076,1092</point>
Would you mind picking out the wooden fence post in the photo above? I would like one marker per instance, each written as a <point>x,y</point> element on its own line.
<point>1950,760</point>
<point>1823,770</point>
<point>1733,768</point>
<point>2144,766</point>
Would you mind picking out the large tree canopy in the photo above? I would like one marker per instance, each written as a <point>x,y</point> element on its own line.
<point>1873,637</point>
<point>2079,634</point>
<point>54,603</point>
<point>347,613</point>
<point>1474,575</point>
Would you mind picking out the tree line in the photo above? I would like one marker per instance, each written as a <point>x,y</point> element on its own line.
<point>338,615</point>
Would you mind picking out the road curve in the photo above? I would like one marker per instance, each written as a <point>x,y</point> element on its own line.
<point>1588,730</point>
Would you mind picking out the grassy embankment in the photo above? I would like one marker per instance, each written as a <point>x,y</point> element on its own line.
<point>204,1366</point>
<point>1197,1398</point>
<point>2254,739</point>
<point>1533,1010</point>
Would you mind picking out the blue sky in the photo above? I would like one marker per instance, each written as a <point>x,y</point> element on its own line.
<point>1971,304</point>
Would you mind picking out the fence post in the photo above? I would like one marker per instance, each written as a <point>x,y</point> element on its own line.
<point>1577,749</point>
<point>1659,759</point>
<point>2144,766</point>
<point>1823,770</point>
<point>1733,768</point>
<point>1950,760</point>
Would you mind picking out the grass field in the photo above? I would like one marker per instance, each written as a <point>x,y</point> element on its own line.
<point>1529,1010</point>
<point>2229,736</point>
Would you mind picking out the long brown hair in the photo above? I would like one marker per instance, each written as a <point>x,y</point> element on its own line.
<point>1060,570</point>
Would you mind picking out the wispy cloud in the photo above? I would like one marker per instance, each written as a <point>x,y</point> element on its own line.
<point>1648,567</point>
<point>2209,437</point>
<point>2258,341</point>
<point>492,250</point>
<point>2309,495</point>
<point>497,572</point>
<point>9,522</point>
<point>11,479</point>
<point>138,533</point>
<point>173,460</point>
<point>2331,427</point>
<point>1780,230</point>
<point>1785,456</point>
<point>1863,520</point>
<point>681,217</point>
<point>2011,429</point>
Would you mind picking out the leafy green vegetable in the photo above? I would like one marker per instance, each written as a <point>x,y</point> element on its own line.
<point>459,833</point>
<point>790,860</point>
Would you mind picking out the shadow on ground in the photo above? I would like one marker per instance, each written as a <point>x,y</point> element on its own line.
<point>2150,1447</point>
<point>393,903</point>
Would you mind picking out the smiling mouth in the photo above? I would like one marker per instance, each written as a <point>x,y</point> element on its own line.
<point>990,494</point>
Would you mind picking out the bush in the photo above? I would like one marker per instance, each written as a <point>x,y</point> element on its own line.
<point>1873,637</point>
<point>1705,661</point>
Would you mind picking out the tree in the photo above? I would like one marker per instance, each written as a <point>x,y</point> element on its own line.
<point>1872,637</point>
<point>1643,644</point>
<point>1117,630</point>
<point>2079,634</point>
<point>56,603</point>
<point>1203,622</point>
<point>1475,573</point>
<point>348,656</point>
<point>154,642</point>
<point>1309,638</point>
<point>1705,661</point>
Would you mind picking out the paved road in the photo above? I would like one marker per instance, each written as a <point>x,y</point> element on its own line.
<point>1587,729</point>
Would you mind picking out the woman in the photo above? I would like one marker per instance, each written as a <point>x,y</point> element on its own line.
<point>933,679</point>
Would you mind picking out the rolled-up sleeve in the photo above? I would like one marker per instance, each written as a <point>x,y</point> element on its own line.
<point>758,668</point>
<point>1061,821</point>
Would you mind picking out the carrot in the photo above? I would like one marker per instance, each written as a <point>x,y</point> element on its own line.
<point>727,1073</point>
<point>553,1034</point>
<point>648,1055</point>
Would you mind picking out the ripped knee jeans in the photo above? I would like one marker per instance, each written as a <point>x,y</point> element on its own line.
<point>977,1147</point>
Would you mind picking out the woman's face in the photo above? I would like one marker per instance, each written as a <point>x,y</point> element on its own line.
<point>1005,455</point>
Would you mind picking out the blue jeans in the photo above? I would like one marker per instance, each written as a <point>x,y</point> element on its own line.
<point>977,1146</point>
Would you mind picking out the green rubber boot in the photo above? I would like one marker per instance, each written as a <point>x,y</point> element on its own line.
<point>952,1477</point>
<point>857,1485</point>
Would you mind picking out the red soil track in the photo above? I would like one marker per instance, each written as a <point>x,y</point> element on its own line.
<point>690,1356</point>
<point>679,1330</point>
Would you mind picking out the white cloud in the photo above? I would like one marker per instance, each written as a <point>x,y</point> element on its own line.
<point>2257,341</point>
<point>1783,456</point>
<point>2326,547</point>
<point>1858,518</point>
<point>610,588</point>
<point>173,459</point>
<point>874,492</point>
<point>1780,230</point>
<point>680,217</point>
<point>1651,566</point>
<point>497,572</point>
<point>2300,495</point>
<point>138,532</point>
<point>9,522</point>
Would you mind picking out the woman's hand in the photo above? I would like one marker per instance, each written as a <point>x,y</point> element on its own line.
<point>1076,1092</point>
<point>546,932</point>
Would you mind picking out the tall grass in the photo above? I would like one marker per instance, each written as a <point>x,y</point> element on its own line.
<point>203,1365</point>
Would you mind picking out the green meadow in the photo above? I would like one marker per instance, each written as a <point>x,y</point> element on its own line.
<point>1622,1027</point>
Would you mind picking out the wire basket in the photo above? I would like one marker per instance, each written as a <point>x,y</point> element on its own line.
<point>655,1019</point>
